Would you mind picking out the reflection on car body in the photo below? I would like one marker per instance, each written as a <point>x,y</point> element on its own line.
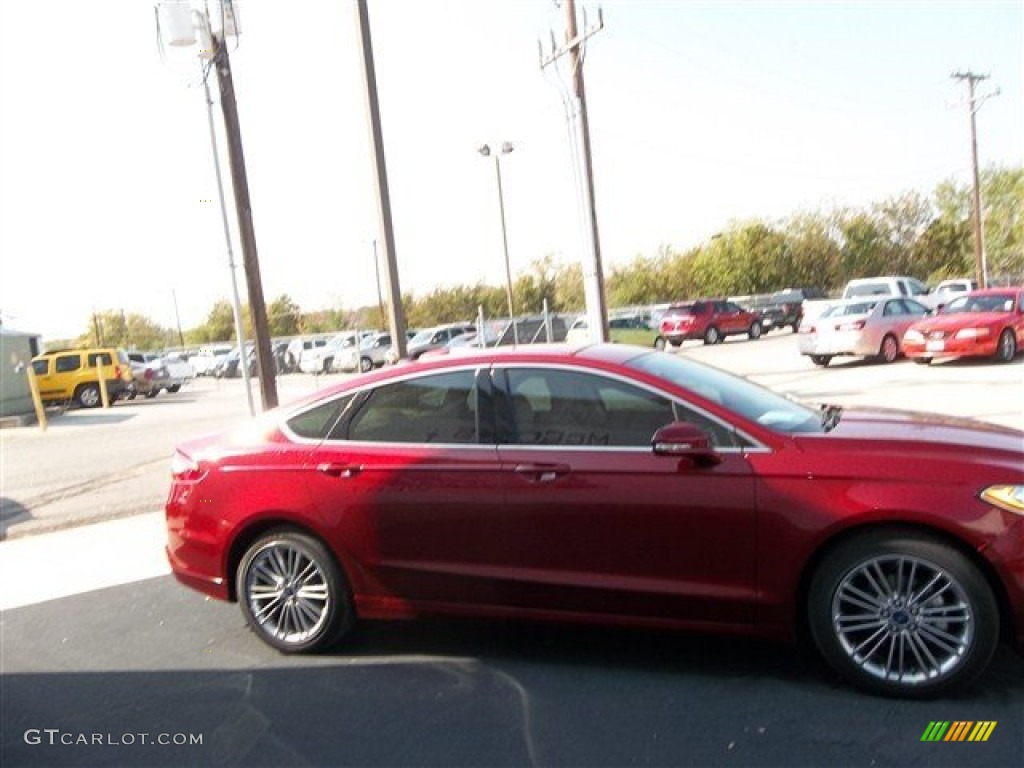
<point>615,485</point>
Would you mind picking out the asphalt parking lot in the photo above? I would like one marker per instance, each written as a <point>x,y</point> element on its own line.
<point>99,642</point>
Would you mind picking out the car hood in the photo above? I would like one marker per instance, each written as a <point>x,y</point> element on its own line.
<point>959,320</point>
<point>881,425</point>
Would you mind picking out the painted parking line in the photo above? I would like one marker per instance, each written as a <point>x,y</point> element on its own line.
<point>34,569</point>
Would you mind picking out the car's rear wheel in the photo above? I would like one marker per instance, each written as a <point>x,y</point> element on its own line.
<point>174,388</point>
<point>754,332</point>
<point>889,350</point>
<point>822,360</point>
<point>902,613</point>
<point>923,360</point>
<point>152,393</point>
<point>1007,348</point>
<point>365,364</point>
<point>292,592</point>
<point>88,395</point>
<point>711,335</point>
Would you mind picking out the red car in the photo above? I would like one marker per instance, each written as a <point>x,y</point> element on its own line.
<point>616,485</point>
<point>987,323</point>
<point>709,319</point>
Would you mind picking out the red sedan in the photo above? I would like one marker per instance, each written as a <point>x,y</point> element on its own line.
<point>987,323</point>
<point>615,485</point>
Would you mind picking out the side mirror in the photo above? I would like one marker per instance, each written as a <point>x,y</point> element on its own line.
<point>682,439</point>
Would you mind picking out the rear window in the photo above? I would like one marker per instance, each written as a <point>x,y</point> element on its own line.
<point>686,309</point>
<point>868,289</point>
<point>846,310</point>
<point>102,357</point>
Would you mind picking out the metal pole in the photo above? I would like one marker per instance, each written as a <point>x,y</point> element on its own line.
<point>380,297</point>
<point>177,317</point>
<point>247,234</point>
<point>979,235</point>
<point>504,242</point>
<point>236,306</point>
<point>593,274</point>
<point>397,311</point>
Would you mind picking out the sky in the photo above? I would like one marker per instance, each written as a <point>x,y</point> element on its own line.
<point>701,114</point>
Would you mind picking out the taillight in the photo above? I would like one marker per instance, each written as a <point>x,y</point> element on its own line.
<point>149,374</point>
<point>117,371</point>
<point>854,326</point>
<point>185,468</point>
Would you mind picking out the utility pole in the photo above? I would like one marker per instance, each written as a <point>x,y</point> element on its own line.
<point>593,273</point>
<point>247,234</point>
<point>387,233</point>
<point>980,267</point>
<point>177,317</point>
<point>380,295</point>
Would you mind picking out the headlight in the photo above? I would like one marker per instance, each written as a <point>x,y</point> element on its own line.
<point>972,333</point>
<point>1008,497</point>
<point>913,335</point>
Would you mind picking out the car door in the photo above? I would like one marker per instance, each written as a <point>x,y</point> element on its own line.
<point>596,523</point>
<point>732,317</point>
<point>404,483</point>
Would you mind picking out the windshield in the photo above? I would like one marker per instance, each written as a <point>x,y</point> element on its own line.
<point>996,302</point>
<point>423,337</point>
<point>752,401</point>
<point>846,310</point>
<point>867,289</point>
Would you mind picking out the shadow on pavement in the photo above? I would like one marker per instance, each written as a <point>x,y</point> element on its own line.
<point>151,658</point>
<point>11,513</point>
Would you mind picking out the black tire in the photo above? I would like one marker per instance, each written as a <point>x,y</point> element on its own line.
<point>88,396</point>
<point>754,332</point>
<point>328,362</point>
<point>878,579</point>
<point>659,343</point>
<point>821,360</point>
<point>923,360</point>
<point>1006,349</point>
<point>675,344</point>
<point>889,349</point>
<point>712,335</point>
<point>152,393</point>
<point>130,395</point>
<point>174,388</point>
<point>365,364</point>
<point>323,620</point>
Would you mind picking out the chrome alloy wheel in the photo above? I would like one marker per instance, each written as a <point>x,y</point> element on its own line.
<point>287,592</point>
<point>903,619</point>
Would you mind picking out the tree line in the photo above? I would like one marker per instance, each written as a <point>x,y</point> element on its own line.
<point>928,237</point>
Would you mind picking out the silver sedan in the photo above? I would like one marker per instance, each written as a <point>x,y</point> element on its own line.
<point>863,327</point>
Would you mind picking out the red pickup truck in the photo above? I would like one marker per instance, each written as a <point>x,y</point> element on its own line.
<point>708,319</point>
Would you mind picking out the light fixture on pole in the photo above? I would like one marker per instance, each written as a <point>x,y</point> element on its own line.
<point>505,149</point>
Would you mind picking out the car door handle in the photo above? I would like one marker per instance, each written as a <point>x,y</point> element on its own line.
<point>542,473</point>
<point>338,470</point>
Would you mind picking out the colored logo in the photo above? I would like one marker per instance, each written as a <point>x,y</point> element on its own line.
<point>966,730</point>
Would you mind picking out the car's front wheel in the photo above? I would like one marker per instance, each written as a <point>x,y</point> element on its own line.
<point>292,592</point>
<point>754,332</point>
<point>712,336</point>
<point>902,613</point>
<point>890,349</point>
<point>659,343</point>
<point>365,364</point>
<point>1007,349</point>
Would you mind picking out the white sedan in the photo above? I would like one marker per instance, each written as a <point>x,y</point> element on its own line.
<point>862,327</point>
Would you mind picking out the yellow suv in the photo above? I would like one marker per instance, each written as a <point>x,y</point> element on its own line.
<point>72,374</point>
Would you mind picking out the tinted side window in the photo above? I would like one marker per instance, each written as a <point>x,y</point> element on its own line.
<point>556,407</point>
<point>67,363</point>
<point>41,367</point>
<point>430,409</point>
<point>317,422</point>
<point>102,357</point>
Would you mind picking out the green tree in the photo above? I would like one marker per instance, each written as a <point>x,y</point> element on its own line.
<point>283,316</point>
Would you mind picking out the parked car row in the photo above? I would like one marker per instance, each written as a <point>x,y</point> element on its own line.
<point>987,323</point>
<point>75,375</point>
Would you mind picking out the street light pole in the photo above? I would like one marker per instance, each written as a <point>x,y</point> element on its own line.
<point>506,148</point>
